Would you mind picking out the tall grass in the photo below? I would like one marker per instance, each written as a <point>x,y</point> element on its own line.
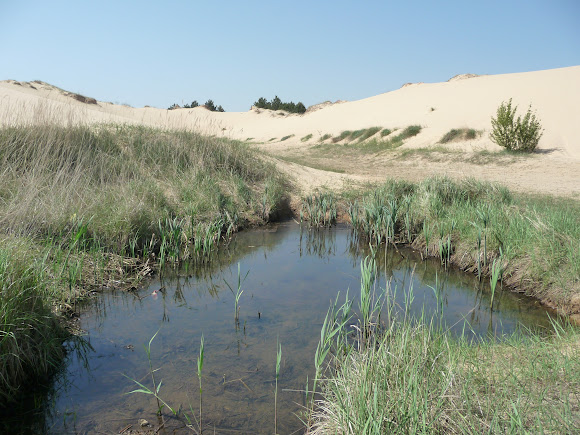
<point>410,376</point>
<point>83,208</point>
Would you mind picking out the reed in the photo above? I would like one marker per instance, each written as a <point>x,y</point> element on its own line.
<point>156,386</point>
<point>237,294</point>
<point>199,372</point>
<point>496,272</point>
<point>278,360</point>
<point>319,210</point>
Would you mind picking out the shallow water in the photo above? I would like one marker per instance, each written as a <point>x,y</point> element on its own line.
<point>293,276</point>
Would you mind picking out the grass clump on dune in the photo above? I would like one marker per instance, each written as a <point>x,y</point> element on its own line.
<point>82,208</point>
<point>459,134</point>
<point>359,135</point>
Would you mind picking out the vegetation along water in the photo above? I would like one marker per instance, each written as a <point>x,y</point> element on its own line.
<point>87,209</point>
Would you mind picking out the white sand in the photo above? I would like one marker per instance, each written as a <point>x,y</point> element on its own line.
<point>460,102</point>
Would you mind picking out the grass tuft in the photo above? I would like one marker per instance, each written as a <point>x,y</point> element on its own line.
<point>454,135</point>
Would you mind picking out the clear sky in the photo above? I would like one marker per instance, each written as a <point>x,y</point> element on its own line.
<point>160,52</point>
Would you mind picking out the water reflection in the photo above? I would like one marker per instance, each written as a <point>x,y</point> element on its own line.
<point>293,275</point>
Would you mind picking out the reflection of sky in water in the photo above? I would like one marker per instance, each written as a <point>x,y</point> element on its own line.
<point>293,278</point>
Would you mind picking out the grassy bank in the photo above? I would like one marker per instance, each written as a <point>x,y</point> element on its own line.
<point>408,375</point>
<point>84,208</point>
<point>534,241</point>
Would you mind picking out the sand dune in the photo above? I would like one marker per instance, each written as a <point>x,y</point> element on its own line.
<point>437,107</point>
<point>465,101</point>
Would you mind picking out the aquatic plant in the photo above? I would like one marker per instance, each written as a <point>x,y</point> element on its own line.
<point>319,210</point>
<point>237,294</point>
<point>199,371</point>
<point>496,272</point>
<point>156,386</point>
<point>278,360</point>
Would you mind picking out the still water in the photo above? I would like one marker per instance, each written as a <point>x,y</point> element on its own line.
<point>293,274</point>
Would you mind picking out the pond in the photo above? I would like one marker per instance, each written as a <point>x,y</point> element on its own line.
<point>293,274</point>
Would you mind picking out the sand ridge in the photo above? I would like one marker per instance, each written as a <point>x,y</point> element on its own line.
<point>465,101</point>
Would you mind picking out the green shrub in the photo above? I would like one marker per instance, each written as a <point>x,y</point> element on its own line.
<point>385,132</point>
<point>521,134</point>
<point>326,136</point>
<point>306,138</point>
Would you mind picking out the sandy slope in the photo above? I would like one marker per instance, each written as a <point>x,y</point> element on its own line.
<point>461,102</point>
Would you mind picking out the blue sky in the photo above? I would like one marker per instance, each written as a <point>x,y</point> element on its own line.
<point>160,52</point>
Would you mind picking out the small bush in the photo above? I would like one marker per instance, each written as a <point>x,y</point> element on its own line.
<point>385,132</point>
<point>306,138</point>
<point>326,136</point>
<point>521,134</point>
<point>286,137</point>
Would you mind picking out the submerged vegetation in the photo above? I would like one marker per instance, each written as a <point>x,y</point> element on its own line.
<point>85,208</point>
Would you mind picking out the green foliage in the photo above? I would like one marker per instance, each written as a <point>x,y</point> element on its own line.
<point>319,210</point>
<point>385,132</point>
<point>193,105</point>
<point>521,134</point>
<point>325,137</point>
<point>278,104</point>
<point>306,138</point>
<point>286,137</point>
